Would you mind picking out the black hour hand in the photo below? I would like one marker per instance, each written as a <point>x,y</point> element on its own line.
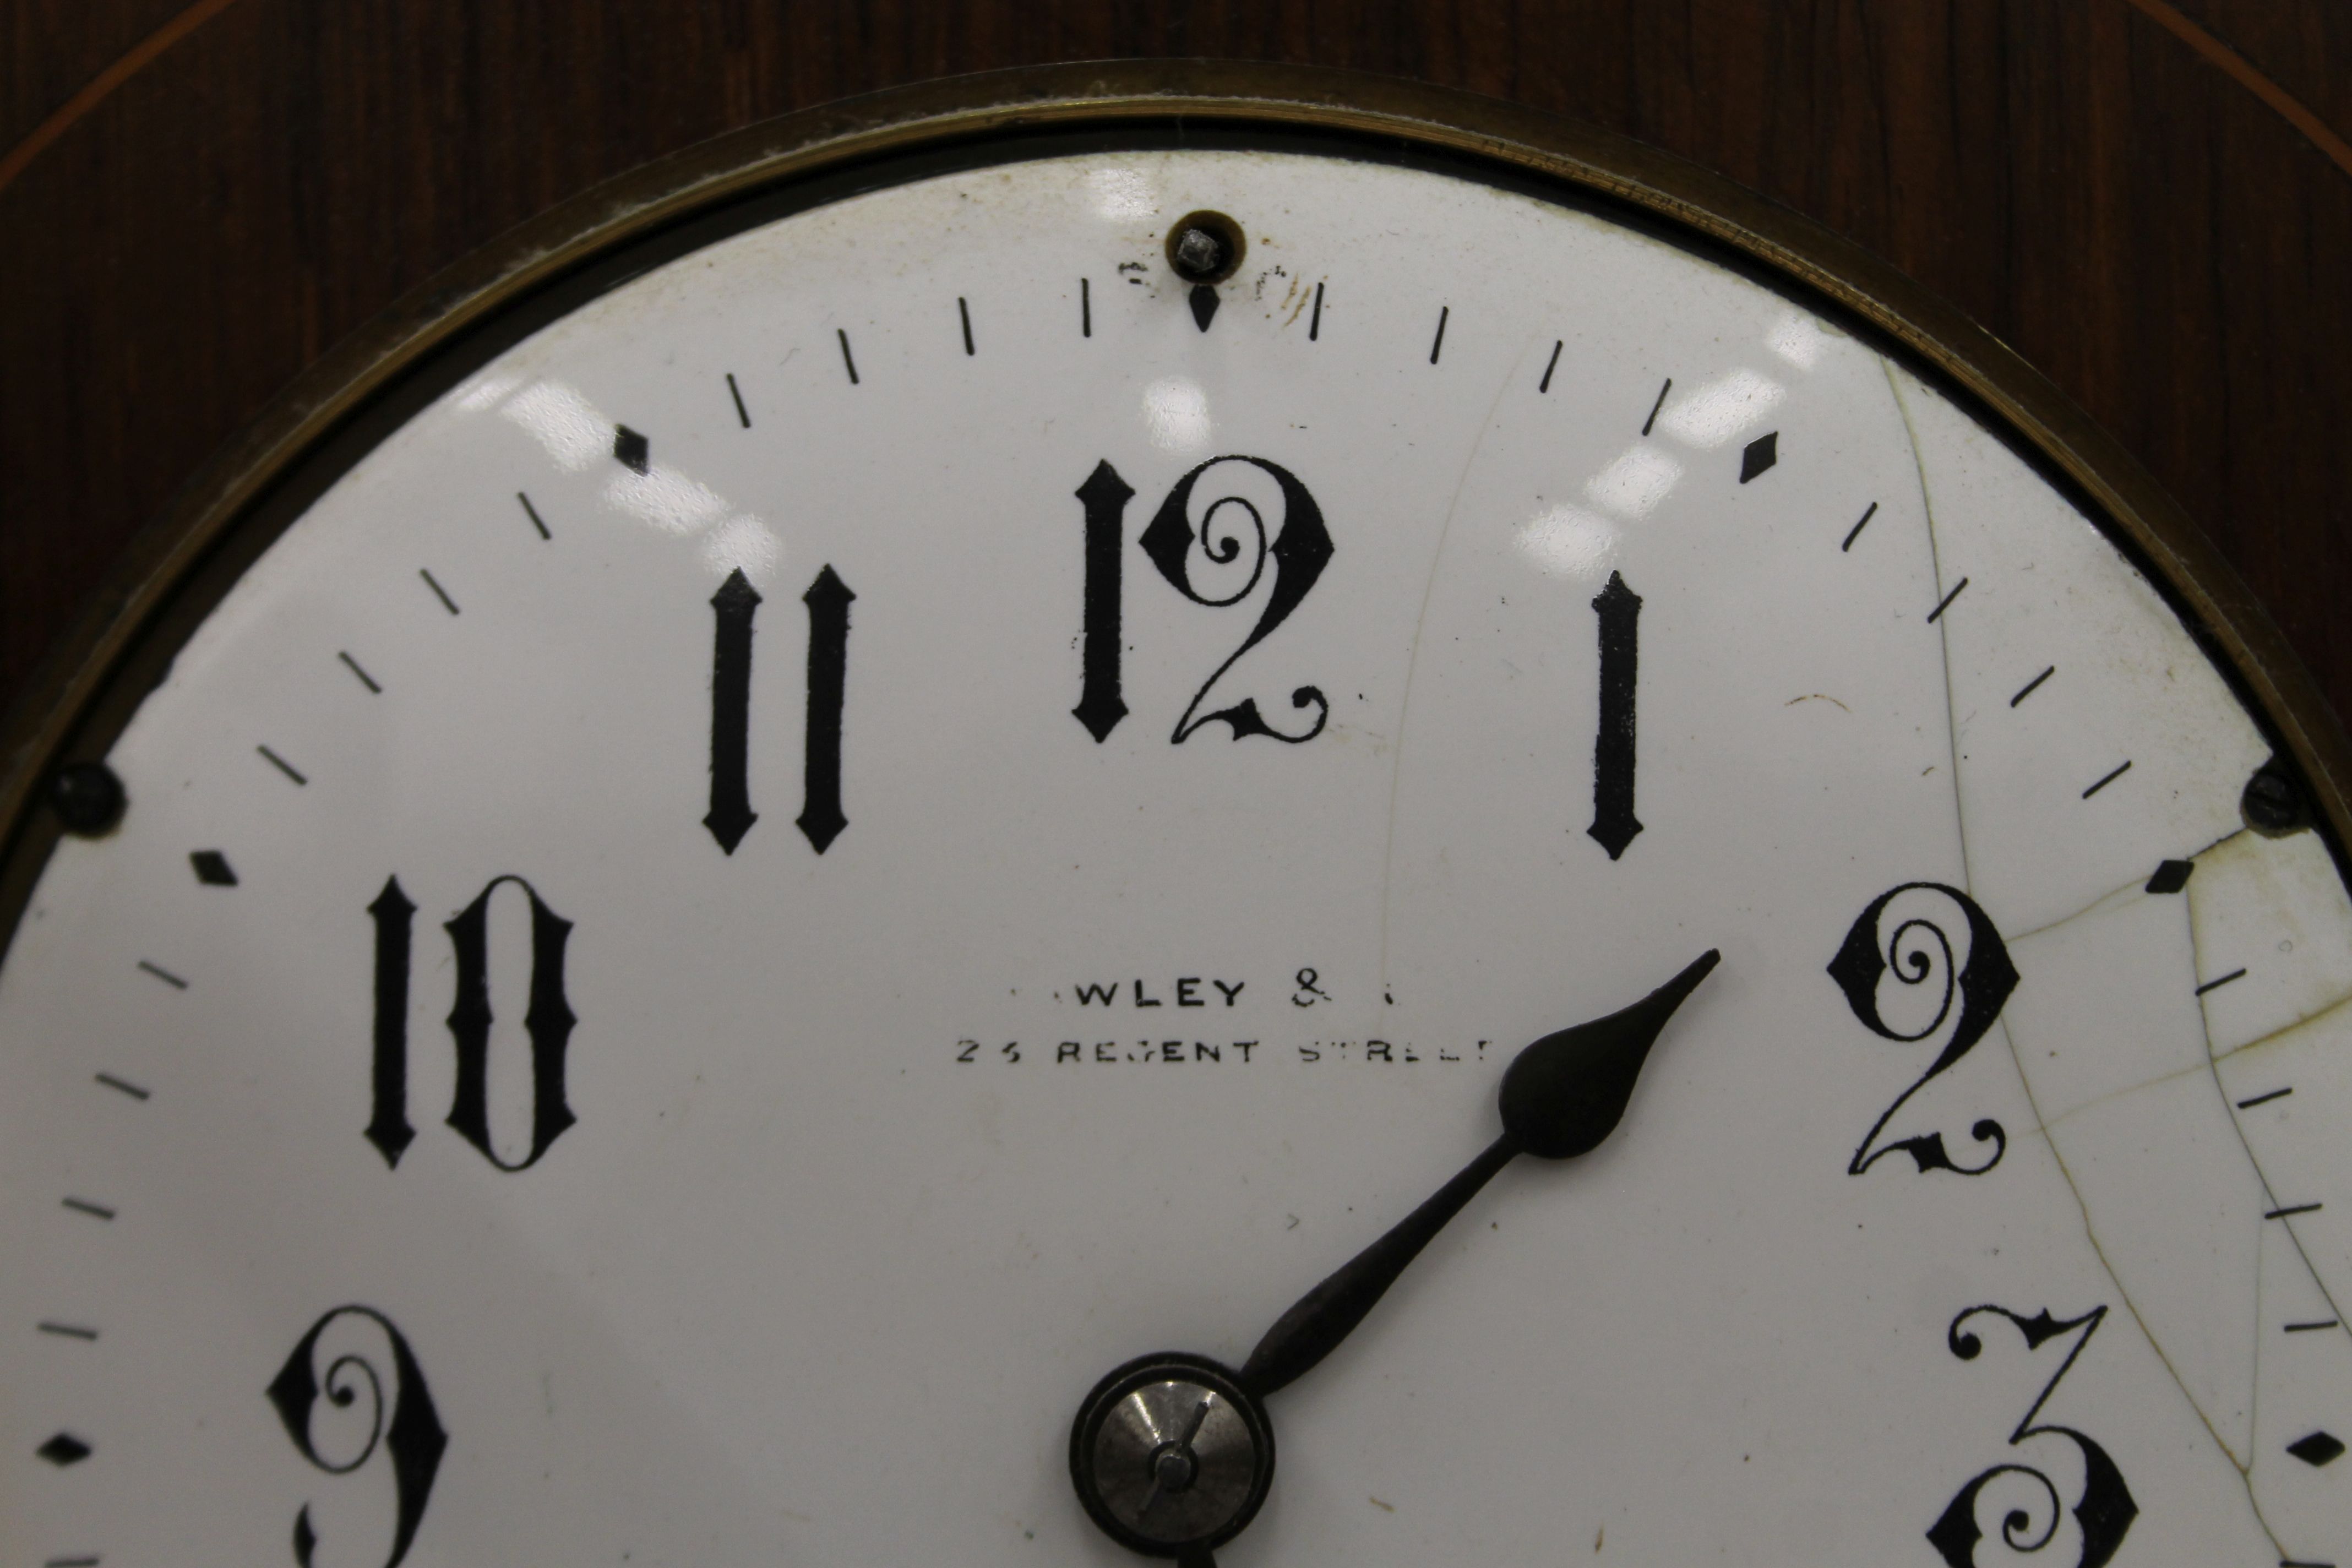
<point>1561,1096</point>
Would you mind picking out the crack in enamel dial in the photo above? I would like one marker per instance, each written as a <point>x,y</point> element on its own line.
<point>981,779</point>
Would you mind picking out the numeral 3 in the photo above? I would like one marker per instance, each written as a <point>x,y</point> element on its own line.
<point>2032,1510</point>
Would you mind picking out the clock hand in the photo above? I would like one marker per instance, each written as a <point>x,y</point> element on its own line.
<point>1181,1497</point>
<point>1560,1097</point>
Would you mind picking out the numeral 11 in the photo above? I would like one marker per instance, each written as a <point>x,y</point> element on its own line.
<point>732,609</point>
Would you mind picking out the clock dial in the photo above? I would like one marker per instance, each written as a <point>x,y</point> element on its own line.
<point>982,778</point>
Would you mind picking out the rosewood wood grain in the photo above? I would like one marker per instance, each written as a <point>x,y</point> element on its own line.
<point>2079,177</point>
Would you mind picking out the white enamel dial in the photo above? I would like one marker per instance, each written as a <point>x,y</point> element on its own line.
<point>907,807</point>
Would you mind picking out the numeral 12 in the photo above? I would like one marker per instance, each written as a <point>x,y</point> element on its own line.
<point>1233,530</point>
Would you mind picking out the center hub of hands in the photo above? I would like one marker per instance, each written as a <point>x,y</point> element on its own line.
<point>1170,1455</point>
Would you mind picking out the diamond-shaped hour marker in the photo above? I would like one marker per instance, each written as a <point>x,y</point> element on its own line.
<point>2319,1448</point>
<point>1759,455</point>
<point>212,869</point>
<point>65,1449</point>
<point>633,449</point>
<point>2171,875</point>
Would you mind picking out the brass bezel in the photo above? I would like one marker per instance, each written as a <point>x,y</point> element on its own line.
<point>180,567</point>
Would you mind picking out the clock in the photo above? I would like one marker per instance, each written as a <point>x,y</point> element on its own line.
<point>1177,813</point>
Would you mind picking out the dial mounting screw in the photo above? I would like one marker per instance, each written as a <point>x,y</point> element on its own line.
<point>2273,802</point>
<point>88,798</point>
<point>1205,247</point>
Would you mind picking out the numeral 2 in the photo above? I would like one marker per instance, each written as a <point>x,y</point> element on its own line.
<point>1212,540</point>
<point>732,609</point>
<point>547,1024</point>
<point>1905,939</point>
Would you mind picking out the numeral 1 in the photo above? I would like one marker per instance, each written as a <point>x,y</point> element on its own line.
<point>1619,610</point>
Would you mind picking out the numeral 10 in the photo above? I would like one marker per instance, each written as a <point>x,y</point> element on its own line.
<point>547,1024</point>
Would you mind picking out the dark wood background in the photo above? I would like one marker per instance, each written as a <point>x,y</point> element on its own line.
<point>2151,200</point>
